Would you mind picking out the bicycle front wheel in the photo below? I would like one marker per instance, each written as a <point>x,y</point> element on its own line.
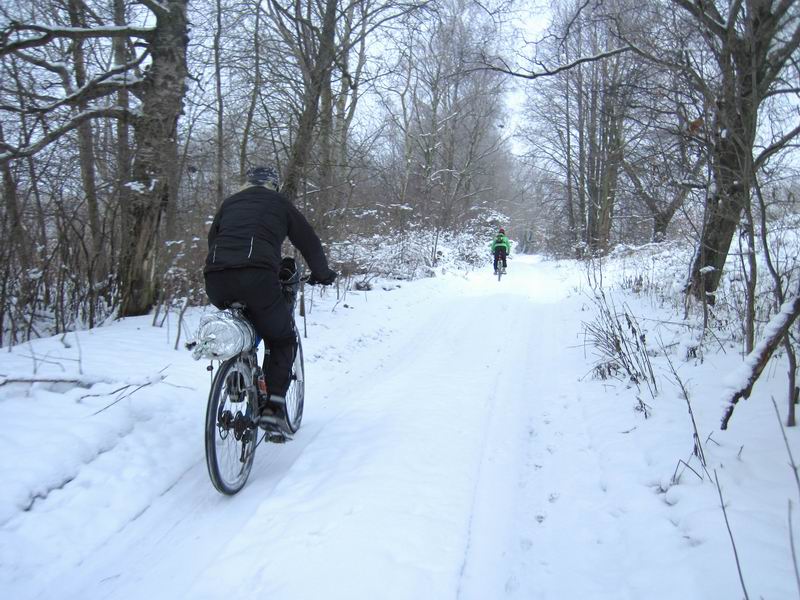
<point>295,395</point>
<point>231,437</point>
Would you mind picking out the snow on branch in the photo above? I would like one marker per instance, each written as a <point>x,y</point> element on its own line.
<point>154,5</point>
<point>747,375</point>
<point>103,85</point>
<point>47,34</point>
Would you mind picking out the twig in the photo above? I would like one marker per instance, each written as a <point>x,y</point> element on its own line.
<point>44,360</point>
<point>116,391</point>
<point>676,477</point>
<point>788,449</point>
<point>121,398</point>
<point>698,446</point>
<point>180,320</point>
<point>730,533</point>
<point>80,354</point>
<point>794,552</point>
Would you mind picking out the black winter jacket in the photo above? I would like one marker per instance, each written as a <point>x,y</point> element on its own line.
<point>249,228</point>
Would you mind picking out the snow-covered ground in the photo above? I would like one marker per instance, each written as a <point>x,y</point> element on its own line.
<point>454,445</point>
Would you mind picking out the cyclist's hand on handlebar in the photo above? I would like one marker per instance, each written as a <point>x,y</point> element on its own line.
<point>325,280</point>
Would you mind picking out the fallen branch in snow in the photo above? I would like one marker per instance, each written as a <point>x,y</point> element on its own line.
<point>111,393</point>
<point>755,362</point>
<point>81,381</point>
<point>88,382</point>
<point>158,379</point>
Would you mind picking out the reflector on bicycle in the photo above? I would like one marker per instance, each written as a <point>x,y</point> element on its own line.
<point>221,335</point>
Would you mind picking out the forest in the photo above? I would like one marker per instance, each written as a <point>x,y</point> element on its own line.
<point>579,125</point>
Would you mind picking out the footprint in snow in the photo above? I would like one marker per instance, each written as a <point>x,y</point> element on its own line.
<point>552,498</point>
<point>540,518</point>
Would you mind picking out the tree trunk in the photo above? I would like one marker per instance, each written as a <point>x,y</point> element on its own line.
<point>18,235</point>
<point>220,104</point>
<point>123,153</point>
<point>723,211</point>
<point>749,61</point>
<point>155,133</point>
<point>251,109</point>
<point>322,64</point>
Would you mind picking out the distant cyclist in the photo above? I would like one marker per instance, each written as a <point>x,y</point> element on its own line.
<point>501,248</point>
<point>244,255</point>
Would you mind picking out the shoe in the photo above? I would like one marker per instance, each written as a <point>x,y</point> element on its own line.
<point>272,414</point>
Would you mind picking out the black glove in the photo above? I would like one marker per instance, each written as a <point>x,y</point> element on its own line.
<point>325,280</point>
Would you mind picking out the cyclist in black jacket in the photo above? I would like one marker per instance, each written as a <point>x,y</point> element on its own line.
<point>244,254</point>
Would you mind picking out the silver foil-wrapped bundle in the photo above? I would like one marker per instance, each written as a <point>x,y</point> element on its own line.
<point>221,335</point>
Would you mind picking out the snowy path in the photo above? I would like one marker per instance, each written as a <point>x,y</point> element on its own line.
<point>446,453</point>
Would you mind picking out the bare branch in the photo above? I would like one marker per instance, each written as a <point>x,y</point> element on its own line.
<point>47,34</point>
<point>566,67</point>
<point>713,22</point>
<point>99,87</point>
<point>774,147</point>
<point>111,112</point>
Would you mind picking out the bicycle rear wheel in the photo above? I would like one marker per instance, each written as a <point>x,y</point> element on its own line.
<point>295,395</point>
<point>231,436</point>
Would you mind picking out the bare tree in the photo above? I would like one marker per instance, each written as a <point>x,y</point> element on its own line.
<point>753,45</point>
<point>160,88</point>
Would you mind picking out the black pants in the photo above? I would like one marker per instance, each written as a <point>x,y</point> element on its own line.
<point>499,255</point>
<point>260,291</point>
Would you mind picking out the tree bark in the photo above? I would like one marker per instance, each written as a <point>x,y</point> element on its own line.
<point>156,144</point>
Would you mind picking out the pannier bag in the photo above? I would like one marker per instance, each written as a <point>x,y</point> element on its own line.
<point>221,335</point>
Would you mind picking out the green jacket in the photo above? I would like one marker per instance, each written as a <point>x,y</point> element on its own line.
<point>501,240</point>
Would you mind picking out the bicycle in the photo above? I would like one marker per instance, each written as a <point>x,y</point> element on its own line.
<point>500,270</point>
<point>232,429</point>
